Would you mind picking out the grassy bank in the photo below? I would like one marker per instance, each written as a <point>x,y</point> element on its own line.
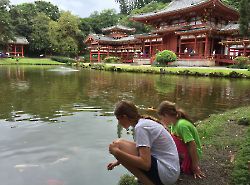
<point>29,61</point>
<point>192,71</point>
<point>226,146</point>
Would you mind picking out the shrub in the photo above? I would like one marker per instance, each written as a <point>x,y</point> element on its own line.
<point>242,61</point>
<point>63,59</point>
<point>127,180</point>
<point>165,57</point>
<point>112,60</point>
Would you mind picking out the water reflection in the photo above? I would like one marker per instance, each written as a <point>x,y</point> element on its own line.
<point>55,127</point>
<point>44,95</point>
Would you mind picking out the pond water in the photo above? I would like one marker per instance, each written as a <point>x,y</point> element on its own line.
<point>56,122</point>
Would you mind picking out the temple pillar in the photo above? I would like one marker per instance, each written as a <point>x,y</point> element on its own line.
<point>15,50</point>
<point>22,51</point>
<point>99,56</point>
<point>195,44</point>
<point>245,49</point>
<point>150,48</point>
<point>179,46</point>
<point>206,47</point>
<point>90,55</point>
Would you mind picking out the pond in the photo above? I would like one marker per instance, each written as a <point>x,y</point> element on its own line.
<point>56,122</point>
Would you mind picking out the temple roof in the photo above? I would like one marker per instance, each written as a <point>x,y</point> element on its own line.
<point>19,40</point>
<point>231,27</point>
<point>177,6</point>
<point>118,28</point>
<point>105,39</point>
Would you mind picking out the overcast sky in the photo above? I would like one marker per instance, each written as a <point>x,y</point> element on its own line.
<point>82,8</point>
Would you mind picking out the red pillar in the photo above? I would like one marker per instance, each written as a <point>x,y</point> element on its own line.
<point>22,51</point>
<point>206,47</point>
<point>195,44</point>
<point>245,49</point>
<point>179,46</point>
<point>99,56</point>
<point>15,49</point>
<point>90,56</point>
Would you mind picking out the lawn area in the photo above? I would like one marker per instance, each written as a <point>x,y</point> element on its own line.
<point>29,61</point>
<point>192,71</point>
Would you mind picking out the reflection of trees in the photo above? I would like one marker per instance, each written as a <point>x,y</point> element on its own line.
<point>40,92</point>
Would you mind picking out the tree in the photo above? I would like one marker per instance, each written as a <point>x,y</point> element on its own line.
<point>142,28</point>
<point>39,38</point>
<point>245,18</point>
<point>126,6</point>
<point>234,3</point>
<point>103,19</point>
<point>64,33</point>
<point>5,23</point>
<point>21,16</point>
<point>49,9</point>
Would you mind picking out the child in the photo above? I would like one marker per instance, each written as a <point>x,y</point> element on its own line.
<point>153,157</point>
<point>185,136</point>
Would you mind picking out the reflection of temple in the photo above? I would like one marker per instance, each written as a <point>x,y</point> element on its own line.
<point>16,47</point>
<point>198,31</point>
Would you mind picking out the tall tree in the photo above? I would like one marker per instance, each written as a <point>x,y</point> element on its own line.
<point>245,18</point>
<point>64,33</point>
<point>39,38</point>
<point>5,22</point>
<point>105,18</point>
<point>21,16</point>
<point>126,6</point>
<point>49,9</point>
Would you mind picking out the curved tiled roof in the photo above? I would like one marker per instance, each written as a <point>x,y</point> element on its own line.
<point>118,27</point>
<point>173,6</point>
<point>177,6</point>
<point>103,38</point>
<point>230,27</point>
<point>19,40</point>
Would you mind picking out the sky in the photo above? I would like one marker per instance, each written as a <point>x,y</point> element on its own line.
<point>82,8</point>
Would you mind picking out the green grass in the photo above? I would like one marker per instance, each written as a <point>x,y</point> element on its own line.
<point>192,71</point>
<point>29,61</point>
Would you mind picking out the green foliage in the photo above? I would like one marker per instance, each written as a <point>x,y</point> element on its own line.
<point>5,23</point>
<point>140,28</point>
<point>97,21</point>
<point>233,3</point>
<point>242,62</point>
<point>126,6</point>
<point>63,35</point>
<point>112,59</point>
<point>151,7</point>
<point>39,38</point>
<point>127,180</point>
<point>245,18</point>
<point>48,9</point>
<point>63,59</point>
<point>165,57</point>
<point>241,169</point>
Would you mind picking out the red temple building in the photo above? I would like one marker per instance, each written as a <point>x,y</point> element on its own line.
<point>16,47</point>
<point>116,42</point>
<point>200,32</point>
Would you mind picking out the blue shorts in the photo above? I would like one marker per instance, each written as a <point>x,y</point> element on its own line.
<point>153,174</point>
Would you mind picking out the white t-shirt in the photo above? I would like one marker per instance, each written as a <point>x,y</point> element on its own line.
<point>150,134</point>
